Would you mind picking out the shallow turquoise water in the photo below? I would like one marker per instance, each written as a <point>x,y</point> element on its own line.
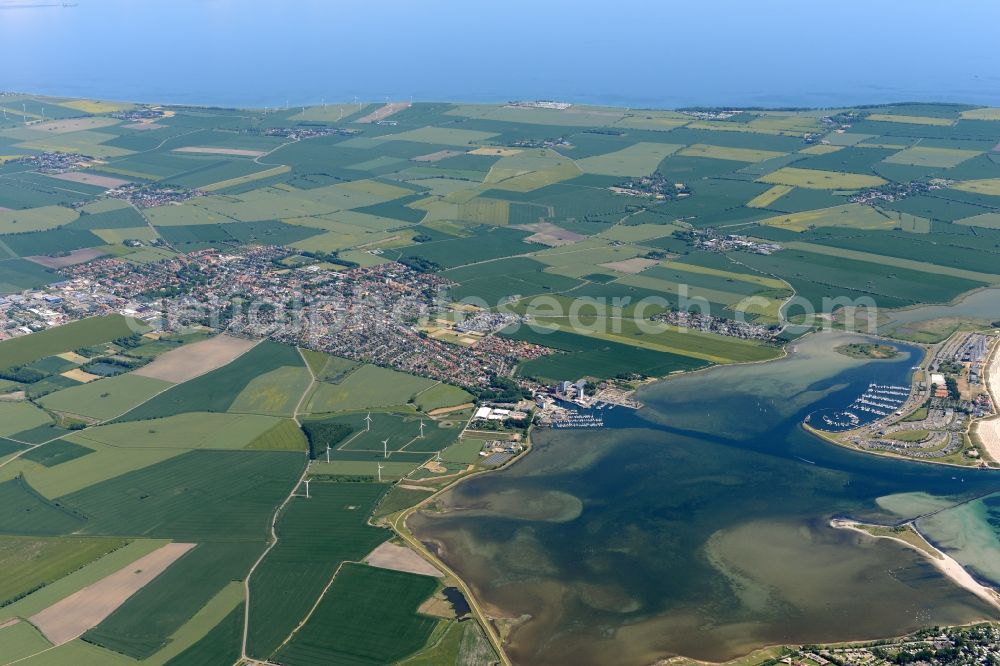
<point>698,525</point>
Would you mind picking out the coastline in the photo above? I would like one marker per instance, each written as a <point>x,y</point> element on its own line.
<point>948,566</point>
<point>943,562</point>
<point>986,431</point>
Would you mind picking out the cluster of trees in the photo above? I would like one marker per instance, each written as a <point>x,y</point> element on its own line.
<point>23,374</point>
<point>501,389</point>
<point>129,341</point>
<point>321,434</point>
<point>331,258</point>
<point>420,264</point>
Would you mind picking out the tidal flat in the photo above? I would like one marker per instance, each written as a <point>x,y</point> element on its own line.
<point>700,525</point>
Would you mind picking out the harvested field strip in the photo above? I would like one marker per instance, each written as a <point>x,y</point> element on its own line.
<point>206,150</point>
<point>990,186</point>
<point>770,196</point>
<point>400,558</point>
<point>249,178</point>
<point>216,391</point>
<point>821,180</point>
<point>849,216</point>
<point>943,158</point>
<point>724,153</point>
<point>145,622</point>
<point>764,281</point>
<point>89,574</point>
<point>189,361</point>
<point>912,120</point>
<point>70,617</point>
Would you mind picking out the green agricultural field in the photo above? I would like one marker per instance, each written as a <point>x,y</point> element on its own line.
<point>316,536</point>
<point>362,468</point>
<point>83,333</point>
<point>28,512</point>
<point>398,499</point>
<point>328,368</point>
<point>368,616</point>
<point>169,498</point>
<point>931,157</point>
<point>16,417</point>
<point>367,387</point>
<point>30,563</point>
<point>463,643</point>
<point>147,620</point>
<point>56,453</point>
<point>220,645</point>
<point>21,639</point>
<point>216,391</point>
<point>465,451</point>
<point>105,398</point>
<point>276,392</point>
<point>442,395</point>
<point>581,357</point>
<point>401,431</point>
<point>16,275</point>
<point>103,463</point>
<point>35,219</point>
<point>450,189</point>
<point>639,159</point>
<point>75,653</point>
<point>283,436</point>
<point>816,276</point>
<point>190,430</point>
<point>87,574</point>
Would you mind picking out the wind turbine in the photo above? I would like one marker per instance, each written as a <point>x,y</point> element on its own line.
<point>421,429</point>
<point>385,448</point>
<point>328,453</point>
<point>307,487</point>
<point>368,422</point>
<point>379,472</point>
<point>437,457</point>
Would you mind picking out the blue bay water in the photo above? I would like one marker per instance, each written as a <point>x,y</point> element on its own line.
<point>699,525</point>
<point>646,53</point>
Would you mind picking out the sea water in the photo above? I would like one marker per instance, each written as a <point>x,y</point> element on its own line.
<point>699,524</point>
